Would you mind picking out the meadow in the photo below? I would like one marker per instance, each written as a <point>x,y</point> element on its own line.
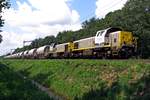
<point>87,79</point>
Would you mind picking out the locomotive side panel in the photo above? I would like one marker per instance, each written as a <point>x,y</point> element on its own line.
<point>84,43</point>
<point>60,48</point>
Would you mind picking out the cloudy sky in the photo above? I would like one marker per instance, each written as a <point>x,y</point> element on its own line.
<point>30,19</point>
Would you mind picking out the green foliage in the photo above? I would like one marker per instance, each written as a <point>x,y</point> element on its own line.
<point>3,5</point>
<point>89,79</point>
<point>134,17</point>
<point>65,36</point>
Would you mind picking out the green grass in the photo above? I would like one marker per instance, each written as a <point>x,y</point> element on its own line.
<point>14,87</point>
<point>89,79</point>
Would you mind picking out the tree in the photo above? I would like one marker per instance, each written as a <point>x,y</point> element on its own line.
<point>133,17</point>
<point>65,36</point>
<point>137,17</point>
<point>3,5</point>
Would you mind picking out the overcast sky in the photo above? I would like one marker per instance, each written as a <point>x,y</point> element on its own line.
<point>30,19</point>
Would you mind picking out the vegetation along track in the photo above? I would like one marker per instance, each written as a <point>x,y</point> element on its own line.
<point>89,79</point>
<point>14,87</point>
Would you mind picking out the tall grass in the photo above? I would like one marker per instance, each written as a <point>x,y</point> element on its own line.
<point>89,79</point>
<point>14,87</point>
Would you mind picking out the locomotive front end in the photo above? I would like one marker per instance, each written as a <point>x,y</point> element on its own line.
<point>123,44</point>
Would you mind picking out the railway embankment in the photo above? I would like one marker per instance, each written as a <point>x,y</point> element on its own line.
<point>14,87</point>
<point>89,79</point>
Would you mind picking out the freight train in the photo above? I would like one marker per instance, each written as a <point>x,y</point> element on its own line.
<point>107,43</point>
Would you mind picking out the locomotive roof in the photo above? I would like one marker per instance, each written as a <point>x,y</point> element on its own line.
<point>62,44</point>
<point>106,32</point>
<point>84,39</point>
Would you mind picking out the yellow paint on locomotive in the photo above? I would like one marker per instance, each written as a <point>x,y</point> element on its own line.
<point>125,38</point>
<point>70,46</point>
<point>121,38</point>
<point>81,49</point>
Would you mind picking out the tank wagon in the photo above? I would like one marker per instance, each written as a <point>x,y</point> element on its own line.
<point>25,54</point>
<point>32,53</point>
<point>43,52</point>
<point>20,55</point>
<point>108,43</point>
<point>11,56</point>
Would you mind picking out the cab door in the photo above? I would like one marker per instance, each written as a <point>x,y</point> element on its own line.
<point>66,48</point>
<point>114,39</point>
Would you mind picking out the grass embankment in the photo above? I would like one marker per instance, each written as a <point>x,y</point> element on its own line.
<point>14,87</point>
<point>89,79</point>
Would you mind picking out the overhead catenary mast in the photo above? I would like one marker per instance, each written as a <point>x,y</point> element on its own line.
<point>24,42</point>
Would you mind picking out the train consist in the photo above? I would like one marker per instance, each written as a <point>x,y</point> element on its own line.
<point>108,43</point>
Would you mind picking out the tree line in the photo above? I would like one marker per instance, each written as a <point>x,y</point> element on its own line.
<point>134,17</point>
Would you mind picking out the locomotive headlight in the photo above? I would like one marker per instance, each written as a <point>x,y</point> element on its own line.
<point>108,52</point>
<point>123,50</point>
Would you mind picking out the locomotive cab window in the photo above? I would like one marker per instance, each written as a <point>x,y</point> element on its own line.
<point>102,33</point>
<point>98,33</point>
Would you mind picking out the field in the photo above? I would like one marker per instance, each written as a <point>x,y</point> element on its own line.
<point>83,79</point>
